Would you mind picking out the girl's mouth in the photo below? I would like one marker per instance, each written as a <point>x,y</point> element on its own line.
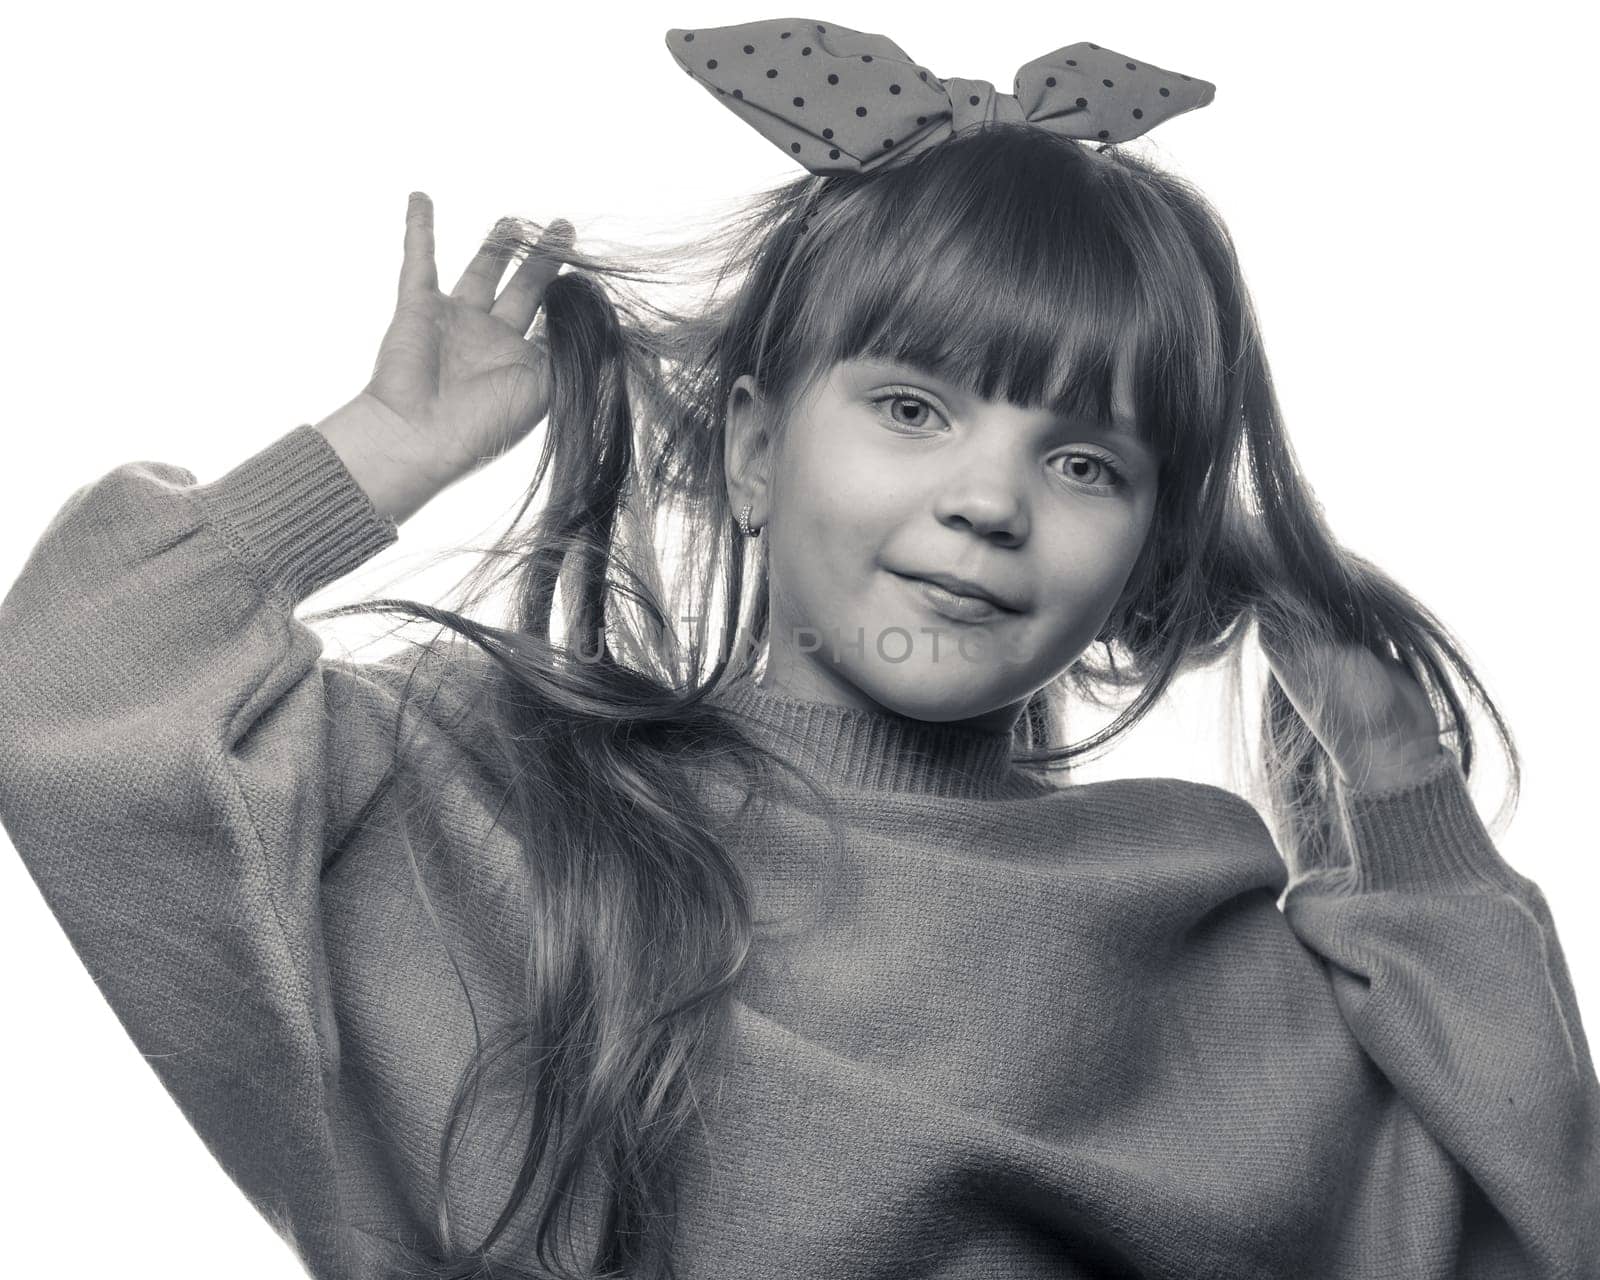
<point>957,608</point>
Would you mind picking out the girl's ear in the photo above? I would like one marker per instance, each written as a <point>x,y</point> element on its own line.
<point>746,444</point>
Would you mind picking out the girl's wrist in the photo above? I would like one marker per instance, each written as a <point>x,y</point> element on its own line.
<point>375,445</point>
<point>1395,768</point>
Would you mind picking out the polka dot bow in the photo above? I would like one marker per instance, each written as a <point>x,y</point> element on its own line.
<point>838,100</point>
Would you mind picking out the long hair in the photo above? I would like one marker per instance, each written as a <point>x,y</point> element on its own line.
<point>1013,262</point>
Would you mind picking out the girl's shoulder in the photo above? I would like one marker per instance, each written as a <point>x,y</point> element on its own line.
<point>445,684</point>
<point>1182,815</point>
<point>1182,797</point>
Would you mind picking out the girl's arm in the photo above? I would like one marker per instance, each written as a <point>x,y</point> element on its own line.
<point>1446,966</point>
<point>176,764</point>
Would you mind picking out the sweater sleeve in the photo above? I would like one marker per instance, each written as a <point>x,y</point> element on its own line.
<point>175,765</point>
<point>1445,964</point>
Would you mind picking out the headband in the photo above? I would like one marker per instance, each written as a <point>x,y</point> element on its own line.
<point>843,101</point>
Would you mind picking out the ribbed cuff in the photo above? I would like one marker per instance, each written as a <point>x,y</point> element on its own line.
<point>1426,837</point>
<point>295,515</point>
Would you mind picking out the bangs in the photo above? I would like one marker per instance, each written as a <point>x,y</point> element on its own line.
<point>1034,279</point>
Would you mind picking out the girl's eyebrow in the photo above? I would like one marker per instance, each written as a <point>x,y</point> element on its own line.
<point>1120,429</point>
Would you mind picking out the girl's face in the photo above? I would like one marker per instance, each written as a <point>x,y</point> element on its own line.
<point>888,474</point>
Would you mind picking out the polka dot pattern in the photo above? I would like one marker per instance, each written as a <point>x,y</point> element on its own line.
<point>837,100</point>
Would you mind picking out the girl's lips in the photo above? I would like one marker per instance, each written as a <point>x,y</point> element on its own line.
<point>950,605</point>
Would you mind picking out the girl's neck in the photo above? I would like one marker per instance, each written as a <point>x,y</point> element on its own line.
<point>878,750</point>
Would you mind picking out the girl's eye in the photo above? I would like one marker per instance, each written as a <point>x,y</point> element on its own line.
<point>899,397</point>
<point>1105,464</point>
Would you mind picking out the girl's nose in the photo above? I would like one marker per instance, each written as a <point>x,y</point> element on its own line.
<point>986,505</point>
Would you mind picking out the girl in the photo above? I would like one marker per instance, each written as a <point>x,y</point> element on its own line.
<point>724,910</point>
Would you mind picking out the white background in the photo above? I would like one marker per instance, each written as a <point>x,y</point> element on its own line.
<point>203,230</point>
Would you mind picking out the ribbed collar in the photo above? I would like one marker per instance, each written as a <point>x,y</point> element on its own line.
<point>876,750</point>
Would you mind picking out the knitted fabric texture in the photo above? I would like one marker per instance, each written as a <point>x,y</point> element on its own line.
<point>1026,1030</point>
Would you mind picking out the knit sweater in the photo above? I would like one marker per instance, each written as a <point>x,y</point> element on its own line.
<point>1030,1030</point>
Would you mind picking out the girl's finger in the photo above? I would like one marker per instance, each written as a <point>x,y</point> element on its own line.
<point>417,271</point>
<point>520,300</point>
<point>482,276</point>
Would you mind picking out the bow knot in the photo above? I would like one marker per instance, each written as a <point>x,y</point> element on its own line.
<point>836,100</point>
<point>975,102</point>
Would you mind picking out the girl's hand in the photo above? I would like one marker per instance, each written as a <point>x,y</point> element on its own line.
<point>457,371</point>
<point>1370,715</point>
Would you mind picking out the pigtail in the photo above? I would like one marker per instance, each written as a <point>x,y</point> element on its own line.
<point>587,718</point>
<point>1246,542</point>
